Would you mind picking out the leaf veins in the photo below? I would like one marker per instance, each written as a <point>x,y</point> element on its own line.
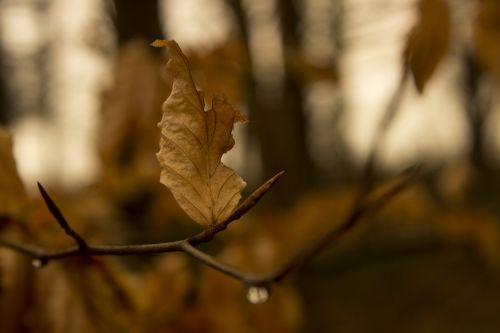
<point>191,146</point>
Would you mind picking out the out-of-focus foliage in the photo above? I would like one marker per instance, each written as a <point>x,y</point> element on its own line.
<point>487,36</point>
<point>128,137</point>
<point>428,41</point>
<point>84,295</point>
<point>13,197</point>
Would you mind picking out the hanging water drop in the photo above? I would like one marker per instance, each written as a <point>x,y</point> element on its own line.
<point>38,263</point>
<point>257,294</point>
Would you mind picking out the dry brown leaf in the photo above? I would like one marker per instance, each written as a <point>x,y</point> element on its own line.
<point>191,146</point>
<point>428,41</point>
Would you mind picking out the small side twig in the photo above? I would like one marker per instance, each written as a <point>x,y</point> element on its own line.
<point>242,209</point>
<point>54,210</point>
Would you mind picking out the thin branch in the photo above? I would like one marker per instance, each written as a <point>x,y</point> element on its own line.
<point>212,262</point>
<point>102,250</point>
<point>350,221</point>
<point>189,244</point>
<point>251,279</point>
<point>54,210</point>
<point>21,248</point>
<point>265,279</point>
<point>250,201</point>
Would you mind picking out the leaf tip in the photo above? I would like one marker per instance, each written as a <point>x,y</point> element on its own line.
<point>161,43</point>
<point>40,187</point>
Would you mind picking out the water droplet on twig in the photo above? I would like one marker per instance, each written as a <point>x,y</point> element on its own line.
<point>258,294</point>
<point>39,263</point>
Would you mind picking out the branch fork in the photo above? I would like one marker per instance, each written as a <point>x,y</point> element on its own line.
<point>188,245</point>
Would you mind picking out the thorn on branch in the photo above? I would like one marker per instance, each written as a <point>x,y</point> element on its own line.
<point>254,198</point>
<point>242,209</point>
<point>54,210</point>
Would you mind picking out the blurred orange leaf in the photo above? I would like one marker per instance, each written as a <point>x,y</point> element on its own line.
<point>428,41</point>
<point>128,134</point>
<point>473,227</point>
<point>306,70</point>
<point>12,194</point>
<point>487,36</point>
<point>84,295</point>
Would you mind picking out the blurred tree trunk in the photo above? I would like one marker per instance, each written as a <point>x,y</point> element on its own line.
<point>477,109</point>
<point>137,23</point>
<point>4,102</point>
<point>290,118</point>
<point>277,119</point>
<point>137,19</point>
<point>343,169</point>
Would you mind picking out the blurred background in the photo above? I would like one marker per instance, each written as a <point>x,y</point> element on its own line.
<point>81,93</point>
